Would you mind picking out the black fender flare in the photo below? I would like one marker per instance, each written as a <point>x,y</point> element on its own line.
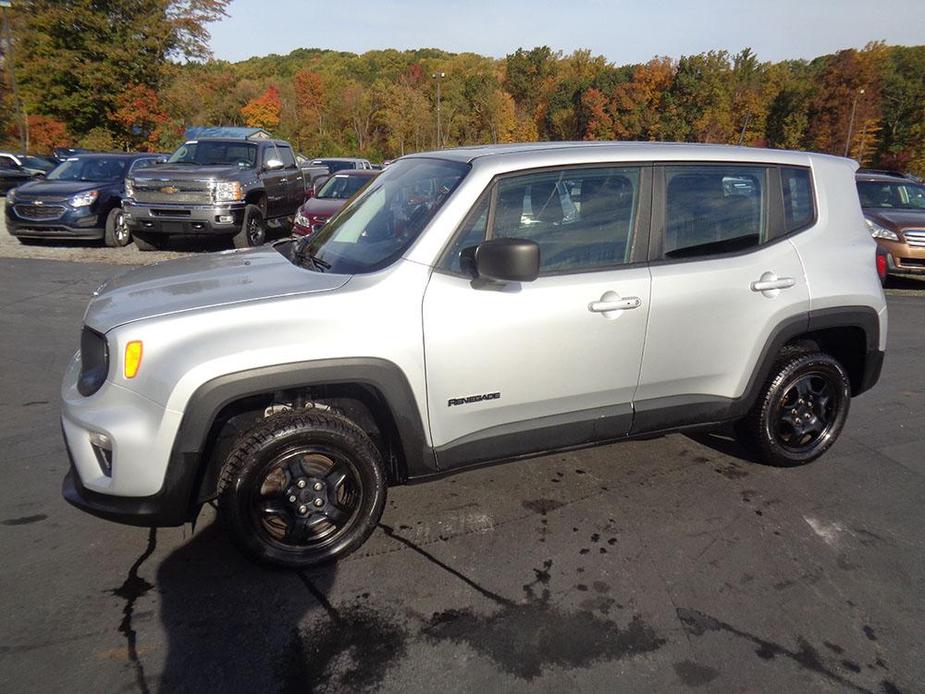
<point>384,377</point>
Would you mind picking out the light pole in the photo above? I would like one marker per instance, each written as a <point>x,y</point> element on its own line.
<point>8,61</point>
<point>437,76</point>
<point>854,106</point>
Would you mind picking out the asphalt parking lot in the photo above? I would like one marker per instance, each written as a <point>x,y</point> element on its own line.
<point>668,564</point>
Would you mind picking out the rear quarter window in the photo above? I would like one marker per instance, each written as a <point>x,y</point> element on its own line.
<point>799,205</point>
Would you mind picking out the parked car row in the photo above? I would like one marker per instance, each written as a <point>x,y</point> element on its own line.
<point>244,189</point>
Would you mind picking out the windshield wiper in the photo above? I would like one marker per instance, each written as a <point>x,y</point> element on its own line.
<point>302,256</point>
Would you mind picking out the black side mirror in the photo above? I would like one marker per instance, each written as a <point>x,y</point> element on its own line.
<point>508,260</point>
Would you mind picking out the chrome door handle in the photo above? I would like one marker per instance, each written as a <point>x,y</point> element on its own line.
<point>769,281</point>
<point>284,180</point>
<point>615,304</point>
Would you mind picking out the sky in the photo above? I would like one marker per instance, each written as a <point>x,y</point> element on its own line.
<point>624,31</point>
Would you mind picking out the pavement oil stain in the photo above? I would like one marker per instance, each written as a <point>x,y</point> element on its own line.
<point>349,650</point>
<point>131,589</point>
<point>25,520</point>
<point>694,675</point>
<point>542,506</point>
<point>731,471</point>
<point>697,623</point>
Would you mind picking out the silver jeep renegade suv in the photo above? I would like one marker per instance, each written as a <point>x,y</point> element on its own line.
<point>477,305</point>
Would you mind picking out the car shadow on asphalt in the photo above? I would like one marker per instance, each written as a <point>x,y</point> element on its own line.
<point>231,624</point>
<point>724,441</point>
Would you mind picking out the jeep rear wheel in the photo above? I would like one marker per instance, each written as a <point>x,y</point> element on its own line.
<point>302,488</point>
<point>801,411</point>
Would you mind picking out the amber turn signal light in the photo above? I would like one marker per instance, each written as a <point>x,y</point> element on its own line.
<point>133,352</point>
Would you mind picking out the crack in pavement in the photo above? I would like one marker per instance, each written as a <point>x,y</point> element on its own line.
<point>131,589</point>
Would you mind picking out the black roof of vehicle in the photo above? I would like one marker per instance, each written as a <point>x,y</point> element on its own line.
<point>114,155</point>
<point>361,173</point>
<point>239,140</point>
<point>882,177</point>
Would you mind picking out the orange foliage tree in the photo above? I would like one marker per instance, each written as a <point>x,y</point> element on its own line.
<point>263,111</point>
<point>46,133</point>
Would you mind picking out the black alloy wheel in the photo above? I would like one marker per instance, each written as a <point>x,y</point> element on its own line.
<point>800,411</point>
<point>302,488</point>
<point>307,498</point>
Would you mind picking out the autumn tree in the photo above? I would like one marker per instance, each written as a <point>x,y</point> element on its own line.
<point>46,133</point>
<point>75,58</point>
<point>263,111</point>
<point>140,118</point>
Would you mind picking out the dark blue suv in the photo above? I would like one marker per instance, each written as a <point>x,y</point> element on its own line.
<point>81,198</point>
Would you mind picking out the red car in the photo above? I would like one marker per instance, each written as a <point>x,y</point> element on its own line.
<point>332,196</point>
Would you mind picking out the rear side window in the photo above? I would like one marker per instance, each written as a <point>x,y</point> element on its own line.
<point>799,210</point>
<point>712,210</point>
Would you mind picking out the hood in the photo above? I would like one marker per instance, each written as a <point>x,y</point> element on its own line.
<point>896,220</point>
<point>202,281</point>
<point>59,189</point>
<point>184,172</point>
<point>326,206</point>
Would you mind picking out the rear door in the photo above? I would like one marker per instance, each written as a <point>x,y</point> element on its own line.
<point>276,184</point>
<point>294,180</point>
<point>724,276</point>
<point>522,367</point>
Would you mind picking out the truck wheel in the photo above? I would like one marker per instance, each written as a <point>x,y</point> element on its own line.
<point>117,234</point>
<point>146,241</point>
<point>302,488</point>
<point>253,230</point>
<point>800,412</point>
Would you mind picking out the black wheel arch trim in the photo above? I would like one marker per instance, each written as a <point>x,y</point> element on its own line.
<point>384,377</point>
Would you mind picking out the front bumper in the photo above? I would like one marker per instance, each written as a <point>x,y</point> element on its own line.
<point>147,483</point>
<point>82,223</point>
<point>224,218</point>
<point>903,259</point>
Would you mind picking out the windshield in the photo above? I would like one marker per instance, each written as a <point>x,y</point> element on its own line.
<point>37,163</point>
<point>901,195</point>
<point>89,169</point>
<point>205,153</point>
<point>342,187</point>
<point>385,219</point>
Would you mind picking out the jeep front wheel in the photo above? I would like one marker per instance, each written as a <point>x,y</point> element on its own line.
<point>302,488</point>
<point>800,412</point>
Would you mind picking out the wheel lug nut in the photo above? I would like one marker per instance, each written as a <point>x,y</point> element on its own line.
<point>292,499</point>
<point>318,486</point>
<point>300,484</point>
<point>303,509</point>
<point>319,502</point>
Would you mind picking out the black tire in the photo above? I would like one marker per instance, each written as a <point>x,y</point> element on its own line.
<point>117,232</point>
<point>800,411</point>
<point>253,228</point>
<point>147,241</point>
<point>322,460</point>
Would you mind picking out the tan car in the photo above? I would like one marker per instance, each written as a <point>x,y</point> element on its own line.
<point>894,208</point>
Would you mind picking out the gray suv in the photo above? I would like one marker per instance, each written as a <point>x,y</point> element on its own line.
<point>474,306</point>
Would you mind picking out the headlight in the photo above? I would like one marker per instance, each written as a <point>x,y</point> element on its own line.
<point>84,199</point>
<point>878,232</point>
<point>301,219</point>
<point>129,188</point>
<point>94,362</point>
<point>11,196</point>
<point>227,191</point>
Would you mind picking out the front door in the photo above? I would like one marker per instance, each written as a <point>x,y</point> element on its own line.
<point>521,368</point>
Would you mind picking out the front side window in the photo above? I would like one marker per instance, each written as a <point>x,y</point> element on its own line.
<point>901,195</point>
<point>711,210</point>
<point>581,218</point>
<point>386,218</point>
<point>285,156</point>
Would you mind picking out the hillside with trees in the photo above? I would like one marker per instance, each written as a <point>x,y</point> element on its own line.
<point>128,74</point>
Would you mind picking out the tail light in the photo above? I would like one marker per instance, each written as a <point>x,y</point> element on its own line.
<point>881,266</point>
